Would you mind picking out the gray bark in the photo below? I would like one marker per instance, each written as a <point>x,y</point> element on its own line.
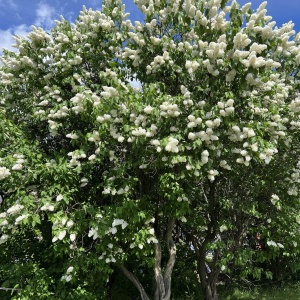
<point>171,261</point>
<point>162,288</point>
<point>211,285</point>
<point>159,293</point>
<point>208,281</point>
<point>163,280</point>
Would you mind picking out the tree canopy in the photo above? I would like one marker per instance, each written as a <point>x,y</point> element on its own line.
<point>99,177</point>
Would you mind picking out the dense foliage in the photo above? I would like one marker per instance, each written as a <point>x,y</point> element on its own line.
<point>101,179</point>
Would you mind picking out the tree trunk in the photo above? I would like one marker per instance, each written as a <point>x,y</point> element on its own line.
<point>171,261</point>
<point>211,285</point>
<point>208,281</point>
<point>278,267</point>
<point>163,281</point>
<point>159,287</point>
<point>135,281</point>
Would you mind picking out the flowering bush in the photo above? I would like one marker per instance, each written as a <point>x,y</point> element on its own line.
<point>100,172</point>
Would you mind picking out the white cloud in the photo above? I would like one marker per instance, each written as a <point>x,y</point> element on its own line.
<point>8,3</point>
<point>6,40</point>
<point>44,16</point>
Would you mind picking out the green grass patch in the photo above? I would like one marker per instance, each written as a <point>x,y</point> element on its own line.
<point>288,292</point>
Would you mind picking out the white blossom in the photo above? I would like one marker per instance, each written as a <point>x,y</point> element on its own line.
<point>212,174</point>
<point>84,181</point>
<point>148,109</point>
<point>66,278</point>
<point>4,223</point>
<point>93,232</point>
<point>113,230</point>
<point>17,167</point>
<point>59,197</point>
<point>20,218</point>
<point>72,136</point>
<point>13,210</point>
<point>62,234</point>
<point>72,237</point>
<point>121,222</point>
<point>3,238</point>
<point>172,145</point>
<point>70,223</point>
<point>48,207</point>
<point>4,172</point>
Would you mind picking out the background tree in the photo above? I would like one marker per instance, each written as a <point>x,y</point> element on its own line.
<point>103,178</point>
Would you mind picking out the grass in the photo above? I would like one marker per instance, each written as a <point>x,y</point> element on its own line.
<point>288,292</point>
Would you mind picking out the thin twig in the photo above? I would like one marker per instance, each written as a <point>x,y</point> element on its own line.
<point>9,289</point>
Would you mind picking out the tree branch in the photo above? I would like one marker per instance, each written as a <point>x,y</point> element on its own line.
<point>135,281</point>
<point>172,257</point>
<point>159,282</point>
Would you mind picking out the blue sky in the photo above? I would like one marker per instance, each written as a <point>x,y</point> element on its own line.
<point>17,16</point>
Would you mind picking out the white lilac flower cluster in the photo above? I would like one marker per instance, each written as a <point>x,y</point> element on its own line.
<point>62,227</point>
<point>172,145</point>
<point>21,218</point>
<point>113,230</point>
<point>3,222</point>
<point>59,114</point>
<point>111,253</point>
<point>47,207</point>
<point>12,211</point>
<point>274,244</point>
<point>294,181</point>
<point>191,66</point>
<point>159,61</point>
<point>209,135</point>
<point>93,232</point>
<point>68,277</point>
<point>226,108</point>
<point>79,102</point>
<point>152,238</point>
<point>19,162</point>
<point>109,92</point>
<point>15,209</point>
<point>236,134</point>
<point>4,238</point>
<point>4,172</point>
<point>169,110</point>
<point>110,190</point>
<point>6,78</point>
<point>75,157</point>
<point>276,201</point>
<point>212,174</point>
<point>267,155</point>
<point>134,55</point>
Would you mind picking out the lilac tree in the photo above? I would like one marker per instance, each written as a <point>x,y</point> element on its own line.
<point>99,173</point>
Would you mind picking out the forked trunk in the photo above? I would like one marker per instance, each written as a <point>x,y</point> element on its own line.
<point>162,280</point>
<point>135,281</point>
<point>211,285</point>
<point>208,278</point>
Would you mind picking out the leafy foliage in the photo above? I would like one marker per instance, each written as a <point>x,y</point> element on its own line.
<point>98,176</point>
